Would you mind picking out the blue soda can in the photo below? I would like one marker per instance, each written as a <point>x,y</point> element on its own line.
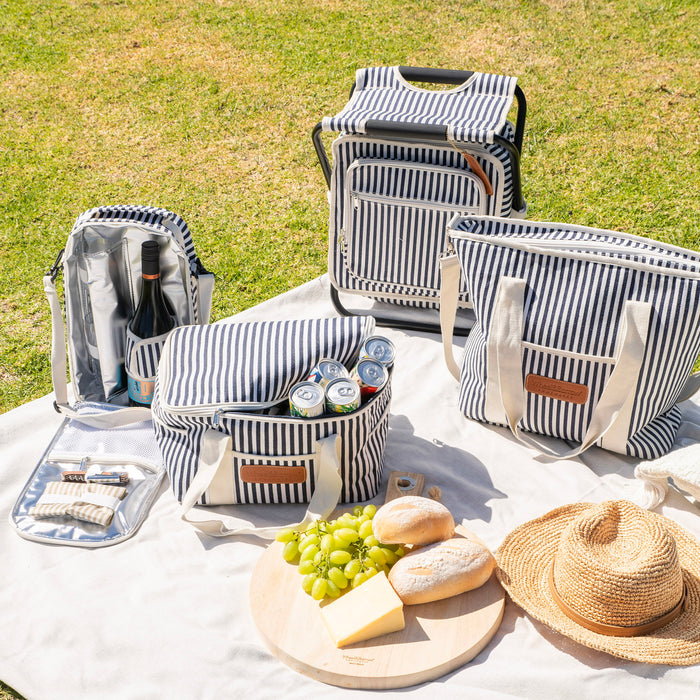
<point>326,370</point>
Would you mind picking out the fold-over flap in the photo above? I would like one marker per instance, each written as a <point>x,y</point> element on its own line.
<point>251,363</point>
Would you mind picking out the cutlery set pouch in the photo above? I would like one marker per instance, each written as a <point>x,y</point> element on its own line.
<point>86,513</point>
<point>219,413</point>
<point>581,334</point>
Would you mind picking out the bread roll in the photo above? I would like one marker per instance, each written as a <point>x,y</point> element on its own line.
<point>412,520</point>
<point>441,570</point>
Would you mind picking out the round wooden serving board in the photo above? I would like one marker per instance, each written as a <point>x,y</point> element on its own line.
<point>438,638</point>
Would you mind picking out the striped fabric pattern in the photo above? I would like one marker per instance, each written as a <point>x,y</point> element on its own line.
<point>578,280</point>
<point>136,213</point>
<point>142,356</point>
<point>73,500</point>
<point>473,112</point>
<point>390,206</point>
<point>226,375</point>
<point>157,219</point>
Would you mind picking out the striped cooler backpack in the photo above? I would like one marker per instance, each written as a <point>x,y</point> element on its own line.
<point>405,161</point>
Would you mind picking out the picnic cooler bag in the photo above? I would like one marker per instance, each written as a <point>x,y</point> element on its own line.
<point>218,412</point>
<point>101,266</point>
<point>581,334</point>
<point>406,160</point>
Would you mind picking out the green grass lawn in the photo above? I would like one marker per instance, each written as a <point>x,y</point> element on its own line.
<point>206,108</point>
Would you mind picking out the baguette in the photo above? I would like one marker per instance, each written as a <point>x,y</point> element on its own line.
<point>412,520</point>
<point>441,570</point>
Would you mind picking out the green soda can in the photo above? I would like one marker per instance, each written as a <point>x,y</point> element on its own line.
<point>342,395</point>
<point>307,400</point>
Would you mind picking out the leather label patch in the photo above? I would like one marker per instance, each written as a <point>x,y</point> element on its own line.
<point>270,474</point>
<point>556,389</point>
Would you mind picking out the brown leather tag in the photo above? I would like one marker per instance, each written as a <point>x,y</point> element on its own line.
<point>556,389</point>
<point>270,474</point>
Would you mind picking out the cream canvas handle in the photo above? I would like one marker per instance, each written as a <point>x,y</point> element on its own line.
<point>505,345</point>
<point>106,419</point>
<point>449,298</point>
<point>505,391</point>
<point>216,445</point>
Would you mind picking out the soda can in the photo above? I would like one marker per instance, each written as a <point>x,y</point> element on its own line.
<point>379,348</point>
<point>307,400</point>
<point>327,370</point>
<point>370,376</point>
<point>342,395</point>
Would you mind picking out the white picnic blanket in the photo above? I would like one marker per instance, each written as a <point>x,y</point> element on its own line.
<point>165,614</point>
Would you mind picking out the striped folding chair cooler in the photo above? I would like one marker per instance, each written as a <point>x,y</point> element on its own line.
<point>407,159</point>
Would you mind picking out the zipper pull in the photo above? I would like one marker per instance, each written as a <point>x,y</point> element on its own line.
<point>355,202</point>
<point>216,418</point>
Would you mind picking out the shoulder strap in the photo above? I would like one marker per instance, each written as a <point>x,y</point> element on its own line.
<point>111,419</point>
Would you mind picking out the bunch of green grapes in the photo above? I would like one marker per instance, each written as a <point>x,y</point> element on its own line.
<point>333,555</point>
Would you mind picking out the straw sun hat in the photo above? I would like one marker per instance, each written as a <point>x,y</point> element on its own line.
<point>612,576</point>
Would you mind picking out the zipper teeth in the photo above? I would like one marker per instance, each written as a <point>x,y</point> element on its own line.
<point>411,165</point>
<point>209,409</point>
<point>574,247</point>
<point>416,203</point>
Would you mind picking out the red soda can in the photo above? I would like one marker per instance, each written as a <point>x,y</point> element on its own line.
<point>370,375</point>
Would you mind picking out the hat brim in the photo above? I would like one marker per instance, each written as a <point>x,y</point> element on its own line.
<point>525,560</point>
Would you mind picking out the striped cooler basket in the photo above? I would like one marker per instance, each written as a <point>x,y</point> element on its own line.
<point>581,334</point>
<point>407,159</point>
<point>219,418</point>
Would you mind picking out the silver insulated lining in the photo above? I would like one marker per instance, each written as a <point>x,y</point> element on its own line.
<point>102,279</point>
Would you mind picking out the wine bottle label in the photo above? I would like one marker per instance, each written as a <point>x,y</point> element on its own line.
<point>141,391</point>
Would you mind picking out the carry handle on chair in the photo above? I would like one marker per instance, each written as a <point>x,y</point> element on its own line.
<point>433,133</point>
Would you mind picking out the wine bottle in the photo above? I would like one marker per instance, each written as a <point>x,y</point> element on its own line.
<point>151,318</point>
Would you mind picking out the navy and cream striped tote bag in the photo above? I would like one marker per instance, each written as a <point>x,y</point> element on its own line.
<point>581,334</point>
<point>226,438</point>
<point>393,192</point>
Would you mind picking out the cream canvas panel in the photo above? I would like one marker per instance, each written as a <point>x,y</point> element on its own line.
<point>165,614</point>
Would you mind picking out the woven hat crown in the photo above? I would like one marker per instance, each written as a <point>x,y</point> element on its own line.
<point>618,565</point>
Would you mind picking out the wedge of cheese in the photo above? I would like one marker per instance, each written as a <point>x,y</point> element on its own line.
<point>368,611</point>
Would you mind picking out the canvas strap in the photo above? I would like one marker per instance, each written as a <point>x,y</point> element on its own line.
<point>107,419</point>
<point>505,391</point>
<point>216,445</point>
<point>505,350</point>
